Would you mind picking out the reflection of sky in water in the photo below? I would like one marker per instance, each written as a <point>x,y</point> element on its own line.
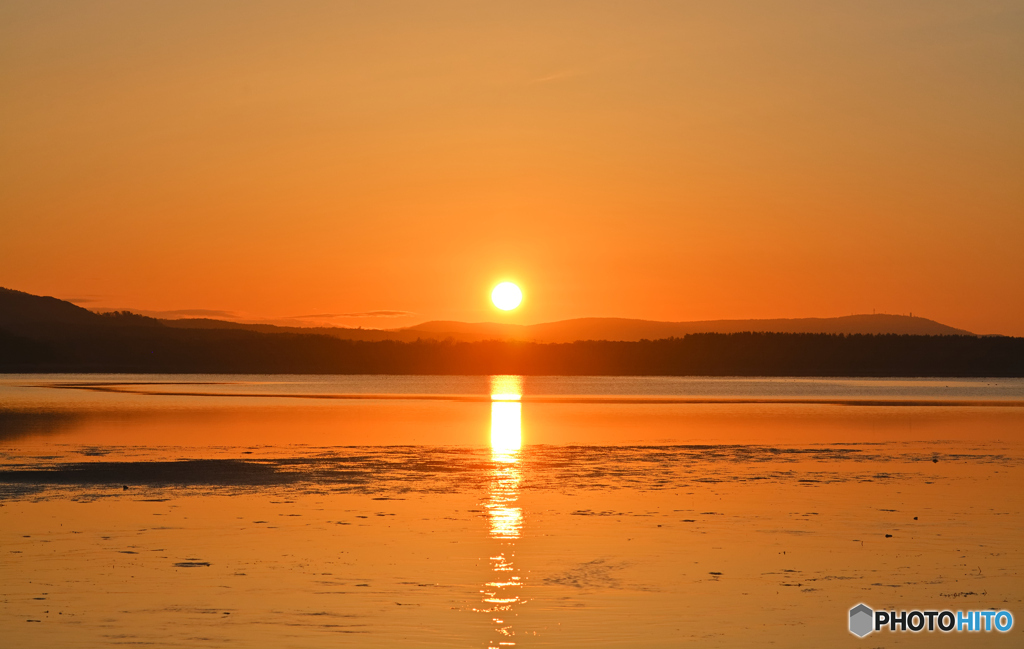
<point>502,593</point>
<point>37,390</point>
<point>789,450</point>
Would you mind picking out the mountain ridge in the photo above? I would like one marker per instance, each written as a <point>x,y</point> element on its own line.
<point>39,334</point>
<point>630,329</point>
<point>21,312</point>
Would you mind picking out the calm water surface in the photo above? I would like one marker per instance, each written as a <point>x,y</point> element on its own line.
<point>269,511</point>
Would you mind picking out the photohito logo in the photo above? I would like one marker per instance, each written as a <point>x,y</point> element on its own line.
<point>864,620</point>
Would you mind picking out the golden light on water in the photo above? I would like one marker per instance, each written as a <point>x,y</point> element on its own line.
<point>506,296</point>
<point>505,518</point>
<point>506,429</point>
<point>506,387</point>
<point>506,417</point>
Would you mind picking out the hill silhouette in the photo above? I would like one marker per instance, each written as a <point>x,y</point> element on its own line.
<point>26,310</point>
<point>344,333</point>
<point>619,329</point>
<point>40,334</point>
<point>21,311</point>
<point>634,330</point>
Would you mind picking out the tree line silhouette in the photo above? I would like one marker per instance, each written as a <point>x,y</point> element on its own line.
<point>139,345</point>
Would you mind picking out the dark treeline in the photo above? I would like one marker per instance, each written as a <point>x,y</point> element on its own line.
<point>141,347</point>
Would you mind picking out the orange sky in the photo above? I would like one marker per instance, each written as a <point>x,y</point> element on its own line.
<point>660,160</point>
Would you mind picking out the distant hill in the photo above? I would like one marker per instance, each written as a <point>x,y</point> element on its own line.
<point>334,332</point>
<point>618,329</point>
<point>21,311</point>
<point>42,334</point>
<point>633,330</point>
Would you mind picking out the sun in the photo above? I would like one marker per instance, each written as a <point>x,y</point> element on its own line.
<point>506,296</point>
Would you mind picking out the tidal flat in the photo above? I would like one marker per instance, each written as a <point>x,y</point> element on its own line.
<point>503,511</point>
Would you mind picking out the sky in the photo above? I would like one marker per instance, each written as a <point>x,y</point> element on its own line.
<point>383,163</point>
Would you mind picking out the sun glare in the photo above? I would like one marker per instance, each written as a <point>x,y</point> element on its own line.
<point>506,296</point>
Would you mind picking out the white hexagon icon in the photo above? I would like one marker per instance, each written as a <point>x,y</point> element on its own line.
<point>861,618</point>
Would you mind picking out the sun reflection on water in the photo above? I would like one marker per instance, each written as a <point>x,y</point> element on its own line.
<point>506,429</point>
<point>505,518</point>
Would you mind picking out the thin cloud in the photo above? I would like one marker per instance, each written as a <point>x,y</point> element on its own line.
<point>363,314</point>
<point>179,313</point>
<point>81,300</point>
<point>556,76</point>
<point>200,313</point>
<point>379,314</point>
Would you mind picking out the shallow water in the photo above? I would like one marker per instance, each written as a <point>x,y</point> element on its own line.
<point>503,511</point>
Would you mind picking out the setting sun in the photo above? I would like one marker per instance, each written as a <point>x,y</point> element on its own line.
<point>506,296</point>
<point>250,369</point>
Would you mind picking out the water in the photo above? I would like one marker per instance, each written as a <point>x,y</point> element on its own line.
<point>24,389</point>
<point>261,511</point>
